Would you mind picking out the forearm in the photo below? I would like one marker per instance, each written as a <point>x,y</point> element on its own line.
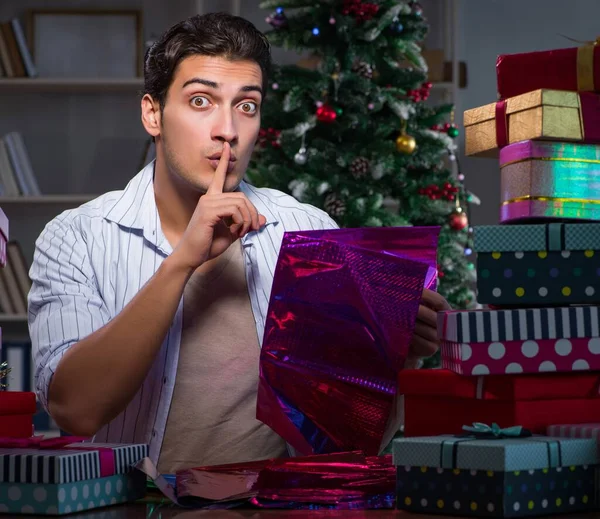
<point>100,375</point>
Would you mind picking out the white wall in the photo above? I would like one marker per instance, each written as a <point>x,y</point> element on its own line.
<point>492,27</point>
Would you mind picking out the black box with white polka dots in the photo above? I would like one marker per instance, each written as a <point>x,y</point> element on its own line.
<point>541,265</point>
<point>481,493</point>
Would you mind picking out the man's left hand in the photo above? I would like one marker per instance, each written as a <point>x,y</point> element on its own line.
<point>425,339</point>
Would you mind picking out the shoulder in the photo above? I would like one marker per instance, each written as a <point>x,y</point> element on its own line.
<point>282,206</point>
<point>88,217</point>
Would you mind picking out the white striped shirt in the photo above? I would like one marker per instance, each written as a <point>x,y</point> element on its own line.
<point>89,262</point>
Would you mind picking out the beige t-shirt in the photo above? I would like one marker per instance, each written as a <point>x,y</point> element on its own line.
<point>212,419</point>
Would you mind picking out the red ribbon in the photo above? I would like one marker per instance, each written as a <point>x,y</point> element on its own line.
<point>501,124</point>
<point>106,454</point>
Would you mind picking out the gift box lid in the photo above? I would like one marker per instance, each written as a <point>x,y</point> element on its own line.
<point>536,237</point>
<point>570,152</point>
<point>17,402</point>
<point>443,383</point>
<point>541,97</point>
<point>496,454</point>
<point>76,462</point>
<point>521,324</point>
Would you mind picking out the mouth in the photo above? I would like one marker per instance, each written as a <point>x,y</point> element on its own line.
<point>215,163</point>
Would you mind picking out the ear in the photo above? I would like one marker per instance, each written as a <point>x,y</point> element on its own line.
<point>151,115</point>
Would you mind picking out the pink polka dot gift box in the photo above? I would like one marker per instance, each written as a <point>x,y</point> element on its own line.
<point>525,340</point>
<point>538,264</point>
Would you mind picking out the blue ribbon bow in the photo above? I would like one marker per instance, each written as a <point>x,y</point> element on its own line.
<point>482,430</point>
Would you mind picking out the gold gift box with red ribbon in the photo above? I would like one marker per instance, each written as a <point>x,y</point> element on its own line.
<point>554,115</point>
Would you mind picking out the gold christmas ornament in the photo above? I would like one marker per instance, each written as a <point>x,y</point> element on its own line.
<point>406,143</point>
<point>4,371</point>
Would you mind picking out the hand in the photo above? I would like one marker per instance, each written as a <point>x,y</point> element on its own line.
<point>425,339</point>
<point>219,220</point>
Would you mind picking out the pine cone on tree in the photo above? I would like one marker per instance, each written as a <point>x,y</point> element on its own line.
<point>334,206</point>
<point>359,167</point>
<point>362,68</point>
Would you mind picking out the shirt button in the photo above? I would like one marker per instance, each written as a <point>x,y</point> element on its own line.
<point>165,380</point>
<point>154,433</point>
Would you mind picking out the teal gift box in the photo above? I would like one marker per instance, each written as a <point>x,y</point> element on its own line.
<point>80,476</point>
<point>514,477</point>
<point>538,264</point>
<point>65,498</point>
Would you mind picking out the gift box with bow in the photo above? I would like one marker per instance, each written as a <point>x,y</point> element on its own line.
<point>438,401</point>
<point>492,472</point>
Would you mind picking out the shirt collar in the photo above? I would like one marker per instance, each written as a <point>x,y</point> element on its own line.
<point>136,207</point>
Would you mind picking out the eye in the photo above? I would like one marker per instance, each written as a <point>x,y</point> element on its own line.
<point>249,107</point>
<point>199,102</point>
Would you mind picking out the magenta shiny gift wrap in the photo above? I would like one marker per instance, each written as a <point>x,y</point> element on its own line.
<point>340,481</point>
<point>542,179</point>
<point>341,317</point>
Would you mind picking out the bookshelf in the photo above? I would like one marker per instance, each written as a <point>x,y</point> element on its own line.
<point>66,200</point>
<point>70,85</point>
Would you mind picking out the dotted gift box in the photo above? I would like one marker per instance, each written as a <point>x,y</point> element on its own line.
<point>532,340</point>
<point>538,265</point>
<point>560,478</point>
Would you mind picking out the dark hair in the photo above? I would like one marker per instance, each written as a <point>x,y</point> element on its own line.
<point>211,34</point>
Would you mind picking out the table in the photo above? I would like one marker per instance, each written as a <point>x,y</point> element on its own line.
<point>142,510</point>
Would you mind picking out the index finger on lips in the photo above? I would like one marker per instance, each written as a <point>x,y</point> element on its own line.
<point>218,181</point>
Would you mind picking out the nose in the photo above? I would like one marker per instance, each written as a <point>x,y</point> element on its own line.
<point>224,126</point>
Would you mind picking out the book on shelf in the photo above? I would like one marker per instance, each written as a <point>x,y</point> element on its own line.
<point>14,281</point>
<point>15,55</point>
<point>16,173</point>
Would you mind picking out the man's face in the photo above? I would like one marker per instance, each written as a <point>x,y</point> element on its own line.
<point>211,100</point>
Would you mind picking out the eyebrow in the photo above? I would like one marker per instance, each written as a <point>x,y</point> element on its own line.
<point>212,84</point>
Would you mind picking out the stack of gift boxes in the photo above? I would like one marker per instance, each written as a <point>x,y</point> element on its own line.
<point>506,427</point>
<point>54,476</point>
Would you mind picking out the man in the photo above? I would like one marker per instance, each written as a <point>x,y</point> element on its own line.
<point>148,305</point>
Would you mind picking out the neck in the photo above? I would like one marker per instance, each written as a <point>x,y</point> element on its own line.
<point>175,200</point>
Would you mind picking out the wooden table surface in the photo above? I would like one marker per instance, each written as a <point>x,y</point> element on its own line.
<point>155,511</point>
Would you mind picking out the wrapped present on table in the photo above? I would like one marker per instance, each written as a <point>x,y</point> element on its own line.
<point>538,264</point>
<point>554,115</point>
<point>341,316</point>
<point>53,477</point>
<point>524,340</point>
<point>542,179</point>
<point>439,401</point>
<point>16,414</point>
<point>495,474</point>
<point>575,69</point>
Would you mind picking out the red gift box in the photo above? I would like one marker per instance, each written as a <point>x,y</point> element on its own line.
<point>438,401</point>
<point>576,69</point>
<point>16,414</point>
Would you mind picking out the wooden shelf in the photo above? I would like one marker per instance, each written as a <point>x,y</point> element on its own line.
<point>71,85</point>
<point>46,200</point>
<point>13,318</point>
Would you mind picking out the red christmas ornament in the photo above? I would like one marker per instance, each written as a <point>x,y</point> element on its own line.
<point>268,136</point>
<point>326,114</point>
<point>458,221</point>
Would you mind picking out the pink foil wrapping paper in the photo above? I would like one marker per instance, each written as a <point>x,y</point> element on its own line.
<point>348,480</point>
<point>341,317</point>
<point>541,179</point>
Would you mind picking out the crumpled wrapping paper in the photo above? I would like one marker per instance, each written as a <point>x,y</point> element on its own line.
<point>341,317</point>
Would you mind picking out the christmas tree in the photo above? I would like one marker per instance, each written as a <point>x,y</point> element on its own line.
<point>351,132</point>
